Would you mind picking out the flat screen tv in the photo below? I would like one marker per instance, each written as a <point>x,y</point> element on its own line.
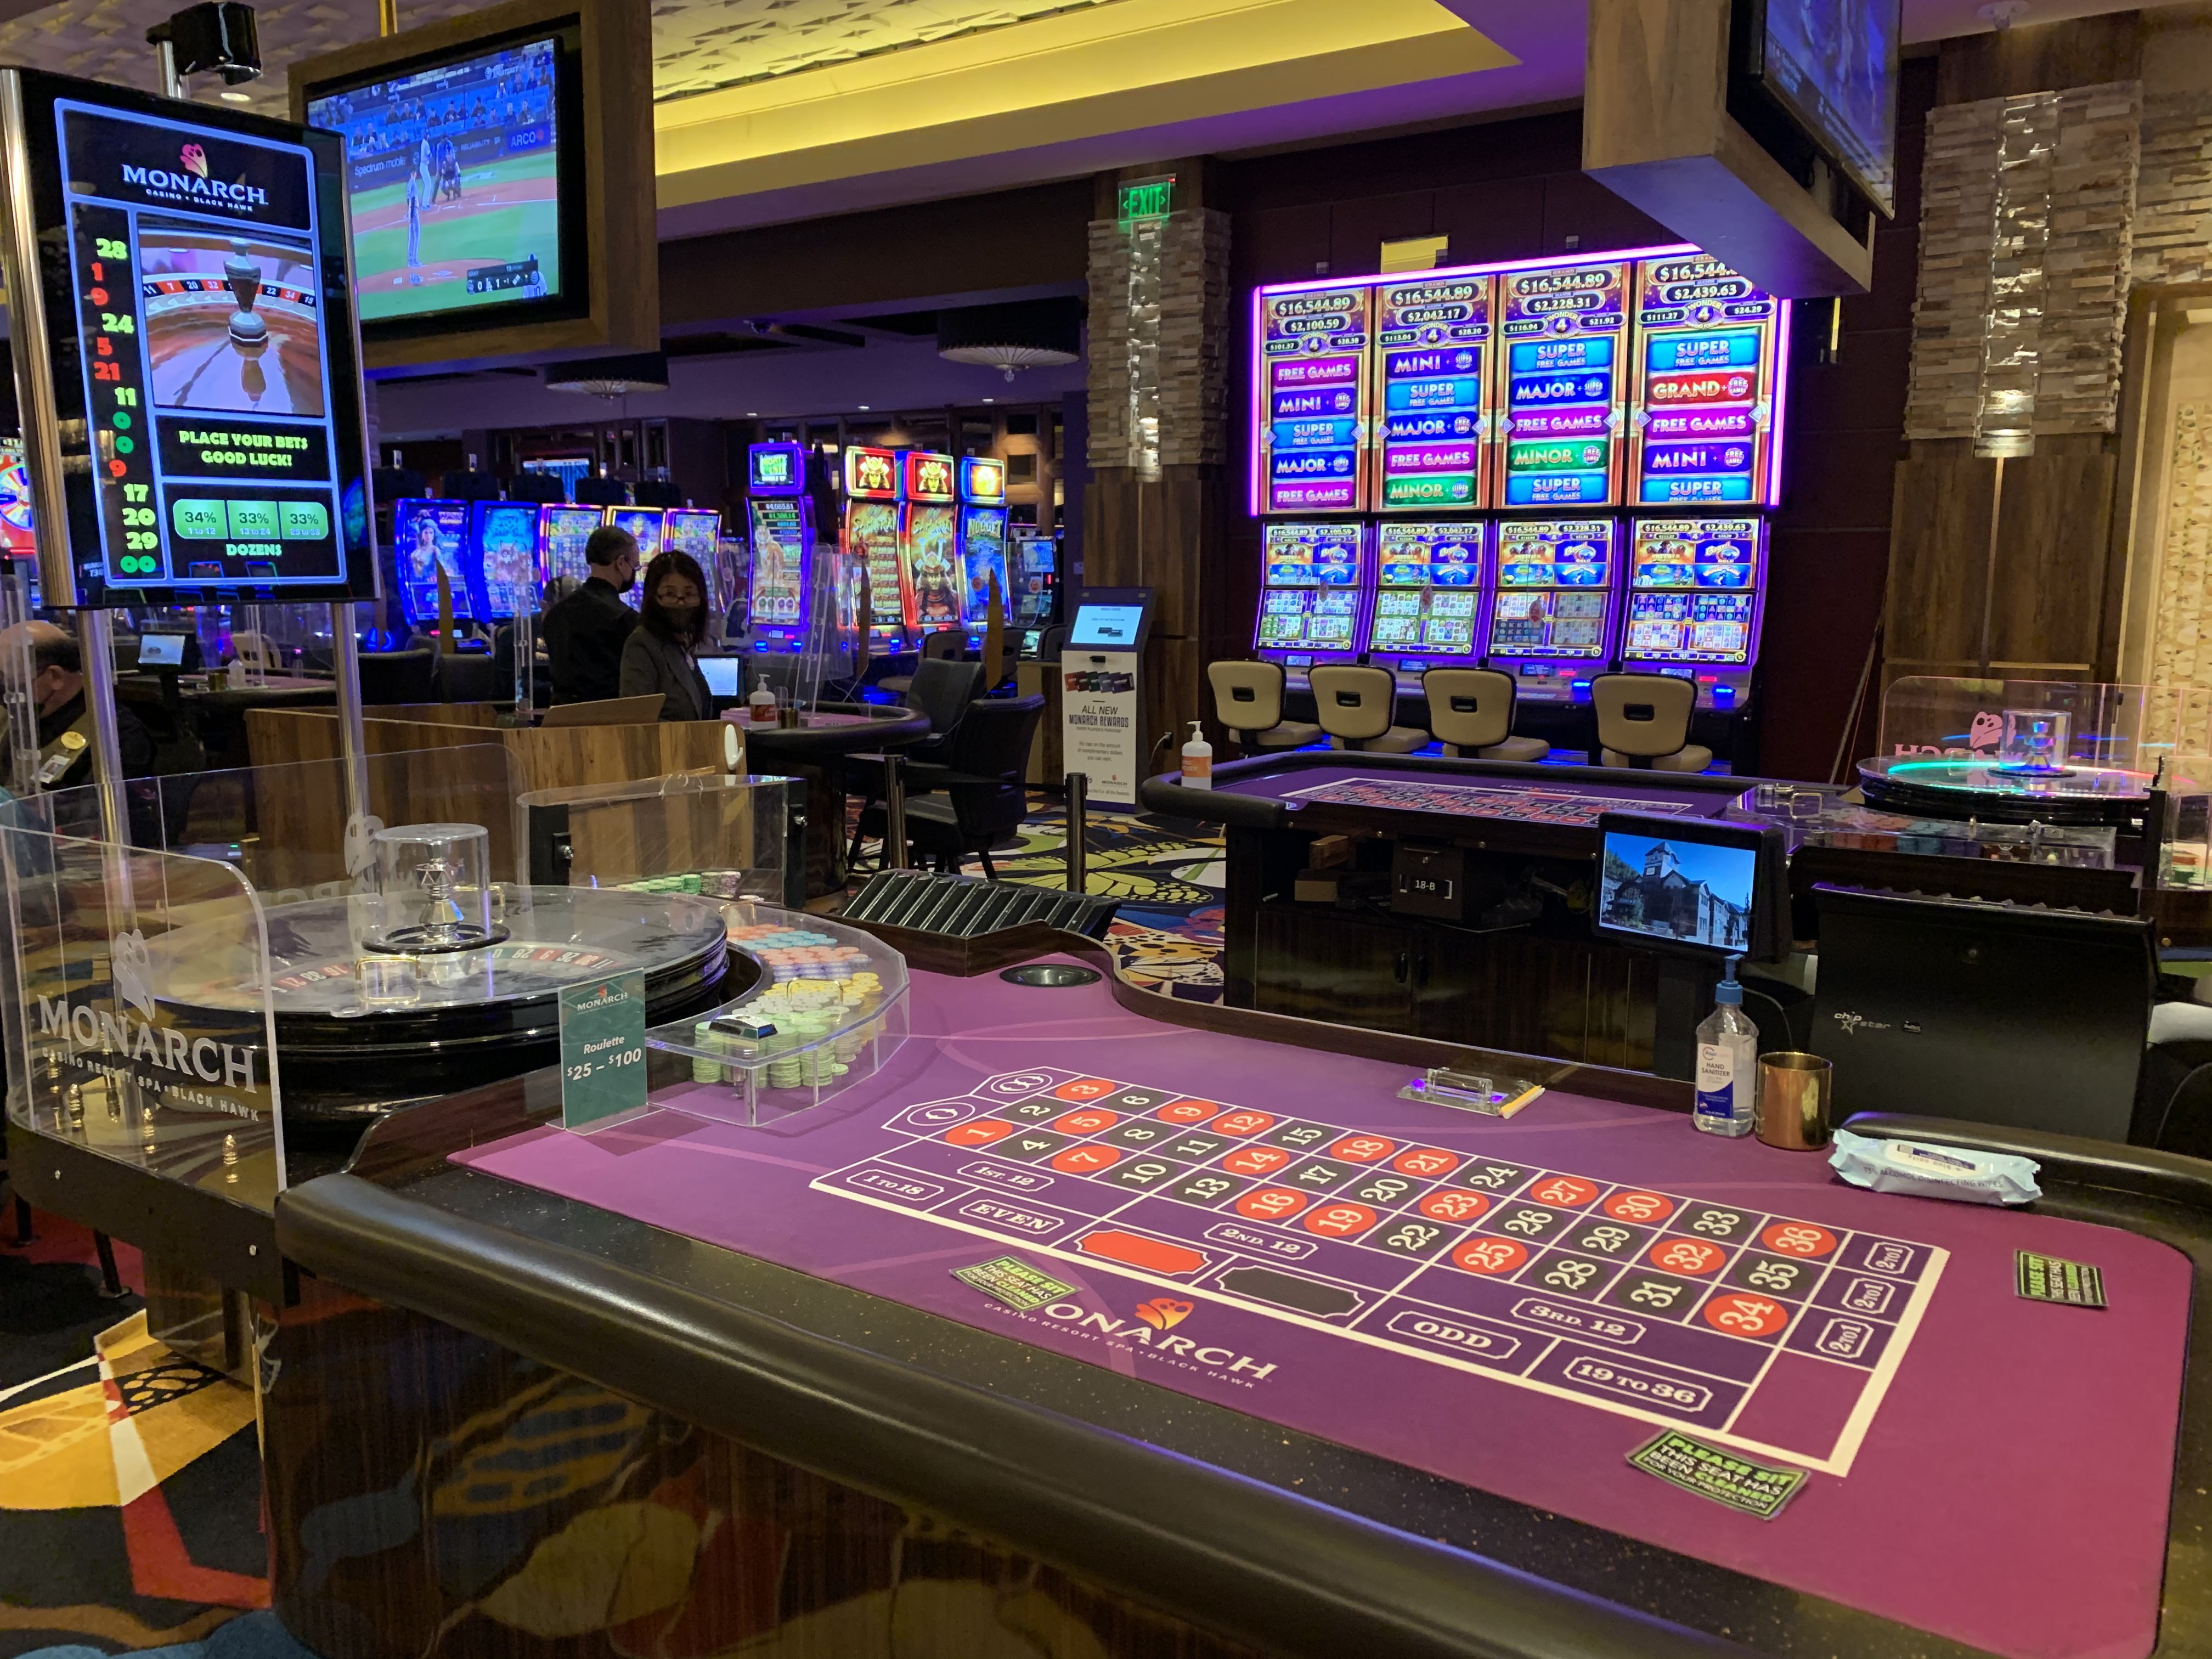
<point>1831,65</point>
<point>1700,886</point>
<point>465,177</point>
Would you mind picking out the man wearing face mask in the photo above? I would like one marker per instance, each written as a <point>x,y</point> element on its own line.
<point>65,725</point>
<point>584,633</point>
<point>662,655</point>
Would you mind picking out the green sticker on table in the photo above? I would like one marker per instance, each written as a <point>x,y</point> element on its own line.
<point>1725,1477</point>
<point>1013,1282</point>
<point>602,1049</point>
<point>2054,1279</point>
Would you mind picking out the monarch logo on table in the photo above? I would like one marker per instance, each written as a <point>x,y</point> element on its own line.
<point>1164,1313</point>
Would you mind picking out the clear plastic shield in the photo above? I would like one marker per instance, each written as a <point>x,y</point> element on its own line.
<point>718,834</point>
<point>2127,728</point>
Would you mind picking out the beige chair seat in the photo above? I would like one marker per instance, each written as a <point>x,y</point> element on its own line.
<point>1355,701</point>
<point>1692,757</point>
<point>1398,740</point>
<point>1528,751</point>
<point>1283,734</point>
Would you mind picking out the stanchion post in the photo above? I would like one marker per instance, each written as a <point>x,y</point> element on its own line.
<point>1079,832</point>
<point>894,815</point>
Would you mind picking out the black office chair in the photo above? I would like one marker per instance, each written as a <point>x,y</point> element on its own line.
<point>602,492</point>
<point>941,689</point>
<point>540,487</point>
<point>975,800</point>
<point>472,677</point>
<point>1052,643</point>
<point>944,644</point>
<point>388,484</point>
<point>395,677</point>
<point>656,492</point>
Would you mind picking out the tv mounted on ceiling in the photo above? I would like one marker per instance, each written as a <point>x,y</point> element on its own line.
<point>499,181</point>
<point>1831,66</point>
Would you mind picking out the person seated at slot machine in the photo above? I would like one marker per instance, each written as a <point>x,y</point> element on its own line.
<point>663,654</point>
<point>584,633</point>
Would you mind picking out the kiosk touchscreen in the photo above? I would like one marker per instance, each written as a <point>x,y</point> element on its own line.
<point>427,536</point>
<point>1428,596</point>
<point>1314,593</point>
<point>780,544</point>
<point>1550,621</point>
<point>562,531</point>
<point>501,556</point>
<point>1695,600</point>
<point>929,541</point>
<point>872,542</point>
<point>1101,695</point>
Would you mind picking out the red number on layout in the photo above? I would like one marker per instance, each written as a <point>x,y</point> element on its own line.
<point>1638,1206</point>
<point>1242,1123</point>
<point>1453,1204</point>
<point>1489,1256</point>
<point>1744,1315</point>
<point>1084,1088</point>
<point>1083,1160</point>
<point>1571,1192</point>
<point>1686,1255</point>
<point>982,1132</point>
<point>1271,1204</point>
<point>1798,1238</point>
<point>1363,1149</point>
<point>1424,1161</point>
<point>1339,1220</point>
<point>1256,1160</point>
<point>1188,1111</point>
<point>1088,1121</point>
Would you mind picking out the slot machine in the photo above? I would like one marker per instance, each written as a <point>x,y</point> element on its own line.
<point>872,542</point>
<point>427,536</point>
<point>1311,606</point>
<point>1551,608</point>
<point>983,541</point>
<point>1705,431</point>
<point>780,544</point>
<point>1696,591</point>
<point>501,556</point>
<point>697,530</point>
<point>929,541</point>
<point>1564,332</point>
<point>647,525</point>
<point>562,530</point>
<point>1033,561</point>
<point>1429,583</point>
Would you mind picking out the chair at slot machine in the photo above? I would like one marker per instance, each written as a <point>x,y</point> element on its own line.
<point>946,644</point>
<point>1248,699</point>
<point>1643,722</point>
<point>1471,712</point>
<point>1357,706</point>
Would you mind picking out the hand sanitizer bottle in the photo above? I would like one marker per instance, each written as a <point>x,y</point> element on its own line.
<point>1728,1061</point>
<point>1197,761</point>
<point>763,703</point>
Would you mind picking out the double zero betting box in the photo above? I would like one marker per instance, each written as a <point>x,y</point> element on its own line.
<point>1627,1299</point>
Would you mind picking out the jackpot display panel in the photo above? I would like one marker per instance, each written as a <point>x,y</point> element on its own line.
<point>429,535</point>
<point>1706,426</point>
<point>501,559</point>
<point>1551,614</point>
<point>871,488</point>
<point>1433,363</point>
<point>562,531</point>
<point>983,538</point>
<point>1429,590</point>
<point>204,440</point>
<point>1696,597</point>
<point>1312,391</point>
<point>1313,606</point>
<point>1562,332</point>
<point>929,540</point>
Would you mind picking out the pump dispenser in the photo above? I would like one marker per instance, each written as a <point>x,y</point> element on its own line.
<point>1728,1062</point>
<point>1197,761</point>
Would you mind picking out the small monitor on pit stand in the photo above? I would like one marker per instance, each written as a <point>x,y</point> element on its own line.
<point>1700,886</point>
<point>725,676</point>
<point>163,650</point>
<point>1111,619</point>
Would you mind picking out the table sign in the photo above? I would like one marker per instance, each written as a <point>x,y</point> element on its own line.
<point>602,1050</point>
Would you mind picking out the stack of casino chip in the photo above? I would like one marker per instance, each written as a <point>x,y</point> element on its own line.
<point>818,997</point>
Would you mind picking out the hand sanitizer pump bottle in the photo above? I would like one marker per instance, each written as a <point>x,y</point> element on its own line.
<point>1728,1061</point>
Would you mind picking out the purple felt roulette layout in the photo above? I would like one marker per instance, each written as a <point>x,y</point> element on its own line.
<point>1523,804</point>
<point>1638,1301</point>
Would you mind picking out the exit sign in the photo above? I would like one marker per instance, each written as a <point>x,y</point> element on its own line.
<point>1147,198</point>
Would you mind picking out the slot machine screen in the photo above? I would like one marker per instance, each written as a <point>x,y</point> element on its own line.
<point>695,530</point>
<point>503,550</point>
<point>427,536</point>
<point>1554,589</point>
<point>647,525</point>
<point>1428,587</point>
<point>1693,590</point>
<point>562,531</point>
<point>779,558</point>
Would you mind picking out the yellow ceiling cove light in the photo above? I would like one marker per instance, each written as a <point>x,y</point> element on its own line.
<point>1080,74</point>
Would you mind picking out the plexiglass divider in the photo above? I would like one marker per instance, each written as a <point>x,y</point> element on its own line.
<point>2047,722</point>
<point>719,834</point>
<point>115,1047</point>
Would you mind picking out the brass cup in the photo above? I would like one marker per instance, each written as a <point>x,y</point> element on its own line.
<point>1794,1094</point>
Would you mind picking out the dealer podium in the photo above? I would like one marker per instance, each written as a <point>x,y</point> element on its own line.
<point>1101,701</point>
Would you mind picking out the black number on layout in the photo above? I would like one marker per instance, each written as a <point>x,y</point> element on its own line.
<point>1033,1111</point>
<point>1194,1149</point>
<point>1206,1188</point>
<point>1609,1238</point>
<point>1773,1275</point>
<point>1570,1275</point>
<point>1490,1176</point>
<point>1320,1175</point>
<point>1659,1294</point>
<point>1299,1136</point>
<point>1137,1100</point>
<point>1138,1132</point>
<point>1031,1144</point>
<point>1385,1189</point>
<point>1143,1173</point>
<point>1525,1221</point>
<point>1719,1222</point>
<point>1409,1237</point>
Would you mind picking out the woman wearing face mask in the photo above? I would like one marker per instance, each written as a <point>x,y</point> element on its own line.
<point>662,654</point>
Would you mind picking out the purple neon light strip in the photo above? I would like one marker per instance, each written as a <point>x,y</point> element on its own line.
<point>1780,390</point>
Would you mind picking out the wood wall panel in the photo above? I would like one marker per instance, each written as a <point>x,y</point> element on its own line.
<point>1938,562</point>
<point>2046,603</point>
